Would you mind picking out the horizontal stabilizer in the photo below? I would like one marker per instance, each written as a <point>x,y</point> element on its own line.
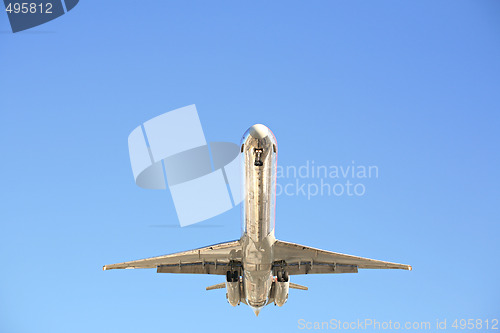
<point>297,286</point>
<point>217,286</point>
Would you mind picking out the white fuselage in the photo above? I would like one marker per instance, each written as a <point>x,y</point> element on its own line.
<point>259,156</point>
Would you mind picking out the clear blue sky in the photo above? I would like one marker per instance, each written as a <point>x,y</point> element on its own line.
<point>412,87</point>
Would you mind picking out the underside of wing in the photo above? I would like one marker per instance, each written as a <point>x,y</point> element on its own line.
<point>213,259</point>
<point>300,259</point>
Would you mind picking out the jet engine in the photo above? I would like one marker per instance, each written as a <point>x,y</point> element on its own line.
<point>281,287</point>
<point>280,292</point>
<point>233,290</point>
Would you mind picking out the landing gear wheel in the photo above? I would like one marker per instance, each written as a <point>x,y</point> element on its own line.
<point>236,276</point>
<point>285,276</point>
<point>279,276</point>
<point>258,157</point>
<point>229,276</point>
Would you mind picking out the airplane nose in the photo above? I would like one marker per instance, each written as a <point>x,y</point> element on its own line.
<point>259,131</point>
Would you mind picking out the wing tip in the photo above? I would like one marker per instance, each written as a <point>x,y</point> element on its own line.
<point>410,268</point>
<point>104,268</point>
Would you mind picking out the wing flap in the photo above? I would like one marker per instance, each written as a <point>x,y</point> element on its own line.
<point>199,267</point>
<point>315,267</point>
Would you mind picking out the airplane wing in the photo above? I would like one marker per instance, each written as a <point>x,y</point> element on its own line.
<point>213,259</point>
<point>300,259</point>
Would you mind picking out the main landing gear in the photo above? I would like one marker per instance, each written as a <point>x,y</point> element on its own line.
<point>282,276</point>
<point>233,276</point>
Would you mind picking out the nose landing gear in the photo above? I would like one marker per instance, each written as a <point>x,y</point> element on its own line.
<point>258,157</point>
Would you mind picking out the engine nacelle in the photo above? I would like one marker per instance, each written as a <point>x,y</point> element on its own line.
<point>233,293</point>
<point>281,292</point>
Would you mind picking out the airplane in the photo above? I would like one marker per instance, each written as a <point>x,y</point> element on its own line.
<point>257,267</point>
